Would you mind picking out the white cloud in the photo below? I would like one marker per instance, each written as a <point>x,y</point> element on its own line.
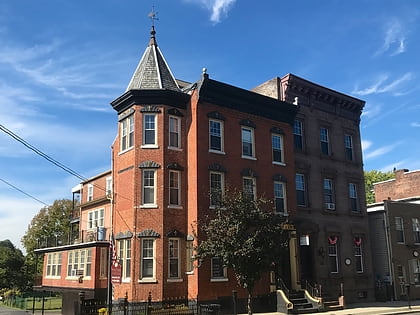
<point>378,152</point>
<point>415,124</point>
<point>381,87</point>
<point>366,144</point>
<point>394,39</point>
<point>219,8</point>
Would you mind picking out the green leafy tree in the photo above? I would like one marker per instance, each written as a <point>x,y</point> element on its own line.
<point>11,266</point>
<point>372,177</point>
<point>49,227</point>
<point>246,235</point>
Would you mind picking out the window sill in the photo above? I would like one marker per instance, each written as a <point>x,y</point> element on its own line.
<point>148,207</point>
<point>219,280</point>
<point>147,280</point>
<point>189,273</point>
<point>283,214</point>
<point>53,277</point>
<point>126,150</point>
<point>149,146</point>
<point>175,280</point>
<point>175,207</point>
<point>126,280</point>
<point>175,149</point>
<point>217,152</point>
<point>249,157</point>
<point>279,163</point>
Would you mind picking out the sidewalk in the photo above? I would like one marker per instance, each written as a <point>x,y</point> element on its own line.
<point>373,308</point>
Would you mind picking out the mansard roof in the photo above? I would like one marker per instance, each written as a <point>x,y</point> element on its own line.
<point>152,71</point>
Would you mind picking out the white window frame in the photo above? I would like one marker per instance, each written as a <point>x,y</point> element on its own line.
<point>298,133</point>
<point>348,145</point>
<point>358,257</point>
<point>324,140</point>
<point>79,260</point>
<point>174,258</point>
<point>277,144</point>
<point>245,142</point>
<point>174,132</point>
<point>245,186</point>
<point>89,196</point>
<point>127,133</point>
<point>217,277</point>
<point>151,257</point>
<point>174,188</point>
<point>354,201</point>
<point>96,218</point>
<point>108,184</point>
<point>416,230</point>
<point>147,128</point>
<point>54,264</point>
<point>300,182</point>
<point>280,193</point>
<point>328,192</point>
<point>399,228</point>
<point>216,133</point>
<point>414,267</point>
<point>333,254</point>
<point>124,252</point>
<point>146,186</point>
<point>216,188</point>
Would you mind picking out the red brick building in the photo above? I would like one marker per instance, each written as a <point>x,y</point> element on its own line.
<point>405,185</point>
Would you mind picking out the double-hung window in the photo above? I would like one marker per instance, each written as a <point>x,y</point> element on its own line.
<point>149,187</point>
<point>248,149</point>
<point>96,218</point>
<point>215,135</point>
<point>333,254</point>
<point>328,194</point>
<point>189,256</point>
<point>109,187</point>
<point>174,132</point>
<point>174,188</point>
<point>218,271</point>
<point>79,263</point>
<point>124,246</point>
<point>280,197</point>
<point>148,263</point>
<point>358,254</point>
<point>348,144</point>
<point>54,264</point>
<point>249,188</point>
<point>354,204</point>
<point>277,148</point>
<point>216,188</point>
<point>416,230</point>
<point>149,130</point>
<point>324,140</point>
<point>174,265</point>
<point>127,133</point>
<point>399,228</point>
<point>298,134</point>
<point>89,192</point>
<point>300,190</point>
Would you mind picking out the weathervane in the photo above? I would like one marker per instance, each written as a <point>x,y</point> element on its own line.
<point>153,16</point>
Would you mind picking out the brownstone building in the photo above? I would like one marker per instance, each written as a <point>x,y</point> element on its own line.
<point>331,217</point>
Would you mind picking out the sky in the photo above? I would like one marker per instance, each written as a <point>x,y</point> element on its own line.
<point>62,63</point>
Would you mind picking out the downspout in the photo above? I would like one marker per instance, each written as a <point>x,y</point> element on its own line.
<point>389,248</point>
<point>109,291</point>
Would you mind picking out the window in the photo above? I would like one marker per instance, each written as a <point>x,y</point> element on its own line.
<point>279,197</point>
<point>190,256</point>
<point>124,248</point>
<point>247,142</point>
<point>354,204</point>
<point>103,264</point>
<point>300,190</point>
<point>216,188</point>
<point>79,263</point>
<point>174,188</point>
<point>216,135</point>
<point>96,218</point>
<point>218,271</point>
<point>416,230</point>
<point>149,186</point>
<point>149,130</point>
<point>173,258</point>
<point>174,132</point>
<point>298,134</point>
<point>333,254</point>
<point>323,136</point>
<point>414,265</point>
<point>328,194</point>
<point>148,258</point>
<point>348,144</point>
<point>89,192</point>
<point>277,146</point>
<point>358,254</point>
<point>53,264</point>
<point>109,187</point>
<point>399,227</point>
<point>249,188</point>
<point>127,133</point>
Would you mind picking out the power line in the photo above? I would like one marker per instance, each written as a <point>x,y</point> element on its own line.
<point>23,192</point>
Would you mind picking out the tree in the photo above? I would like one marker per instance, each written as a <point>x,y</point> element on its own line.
<point>11,266</point>
<point>49,227</point>
<point>246,235</point>
<point>372,177</point>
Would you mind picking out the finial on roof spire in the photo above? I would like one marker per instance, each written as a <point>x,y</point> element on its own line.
<point>153,17</point>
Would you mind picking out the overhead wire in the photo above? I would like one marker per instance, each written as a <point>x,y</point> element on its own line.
<point>23,192</point>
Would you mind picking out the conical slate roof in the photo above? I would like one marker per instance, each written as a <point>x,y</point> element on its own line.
<point>152,71</point>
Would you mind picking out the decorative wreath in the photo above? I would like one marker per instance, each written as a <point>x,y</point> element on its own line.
<point>332,239</point>
<point>357,240</point>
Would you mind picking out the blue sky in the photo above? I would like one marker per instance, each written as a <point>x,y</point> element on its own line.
<point>63,62</point>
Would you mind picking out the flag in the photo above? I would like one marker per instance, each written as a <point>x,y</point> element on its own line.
<point>112,249</point>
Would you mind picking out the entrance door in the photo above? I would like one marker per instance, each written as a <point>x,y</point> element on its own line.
<point>306,260</point>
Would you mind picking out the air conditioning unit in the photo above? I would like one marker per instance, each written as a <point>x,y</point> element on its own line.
<point>79,272</point>
<point>330,206</point>
<point>73,273</point>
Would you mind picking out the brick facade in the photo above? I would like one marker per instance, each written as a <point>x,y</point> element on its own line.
<point>404,185</point>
